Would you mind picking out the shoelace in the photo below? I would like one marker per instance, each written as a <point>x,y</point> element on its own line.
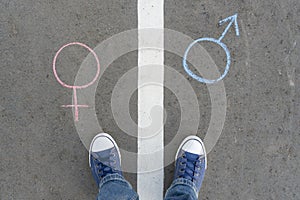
<point>107,167</point>
<point>190,166</point>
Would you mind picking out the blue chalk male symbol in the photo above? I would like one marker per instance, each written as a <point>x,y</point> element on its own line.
<point>232,19</point>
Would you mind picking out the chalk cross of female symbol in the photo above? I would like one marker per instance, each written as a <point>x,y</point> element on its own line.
<point>75,105</point>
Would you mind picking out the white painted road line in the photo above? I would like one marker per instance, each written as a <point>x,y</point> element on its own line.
<point>150,94</point>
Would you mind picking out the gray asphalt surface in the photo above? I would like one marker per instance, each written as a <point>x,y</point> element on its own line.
<point>257,155</point>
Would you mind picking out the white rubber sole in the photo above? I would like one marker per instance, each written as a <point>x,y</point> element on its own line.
<point>192,137</point>
<point>109,137</point>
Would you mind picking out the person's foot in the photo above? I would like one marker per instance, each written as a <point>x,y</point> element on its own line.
<point>191,161</point>
<point>104,157</point>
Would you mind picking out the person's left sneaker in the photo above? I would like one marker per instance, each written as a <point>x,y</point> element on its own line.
<point>104,157</point>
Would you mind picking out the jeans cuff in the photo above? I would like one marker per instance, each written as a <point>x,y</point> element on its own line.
<point>186,182</point>
<point>112,177</point>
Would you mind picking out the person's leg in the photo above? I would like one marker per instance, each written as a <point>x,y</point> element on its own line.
<point>190,168</point>
<point>105,163</point>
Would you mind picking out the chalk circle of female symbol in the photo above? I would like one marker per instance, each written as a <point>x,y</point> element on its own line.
<point>75,87</point>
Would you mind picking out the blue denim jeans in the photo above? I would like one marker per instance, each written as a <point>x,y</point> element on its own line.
<point>114,186</point>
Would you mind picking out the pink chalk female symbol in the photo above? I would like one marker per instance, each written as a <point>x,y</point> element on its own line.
<point>75,87</point>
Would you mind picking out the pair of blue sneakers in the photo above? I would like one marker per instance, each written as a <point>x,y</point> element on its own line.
<point>105,158</point>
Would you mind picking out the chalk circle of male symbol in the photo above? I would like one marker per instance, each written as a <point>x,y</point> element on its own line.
<point>75,87</point>
<point>122,43</point>
<point>198,78</point>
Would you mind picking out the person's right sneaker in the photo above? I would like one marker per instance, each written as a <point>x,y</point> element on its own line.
<point>191,161</point>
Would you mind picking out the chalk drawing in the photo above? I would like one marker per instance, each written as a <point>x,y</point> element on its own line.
<point>75,87</point>
<point>232,19</point>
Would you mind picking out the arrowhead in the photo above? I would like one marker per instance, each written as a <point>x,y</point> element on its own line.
<point>232,19</point>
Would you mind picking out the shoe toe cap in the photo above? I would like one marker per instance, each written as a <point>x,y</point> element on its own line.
<point>101,144</point>
<point>193,146</point>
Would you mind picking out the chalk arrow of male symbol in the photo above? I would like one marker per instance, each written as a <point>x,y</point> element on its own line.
<point>233,20</point>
